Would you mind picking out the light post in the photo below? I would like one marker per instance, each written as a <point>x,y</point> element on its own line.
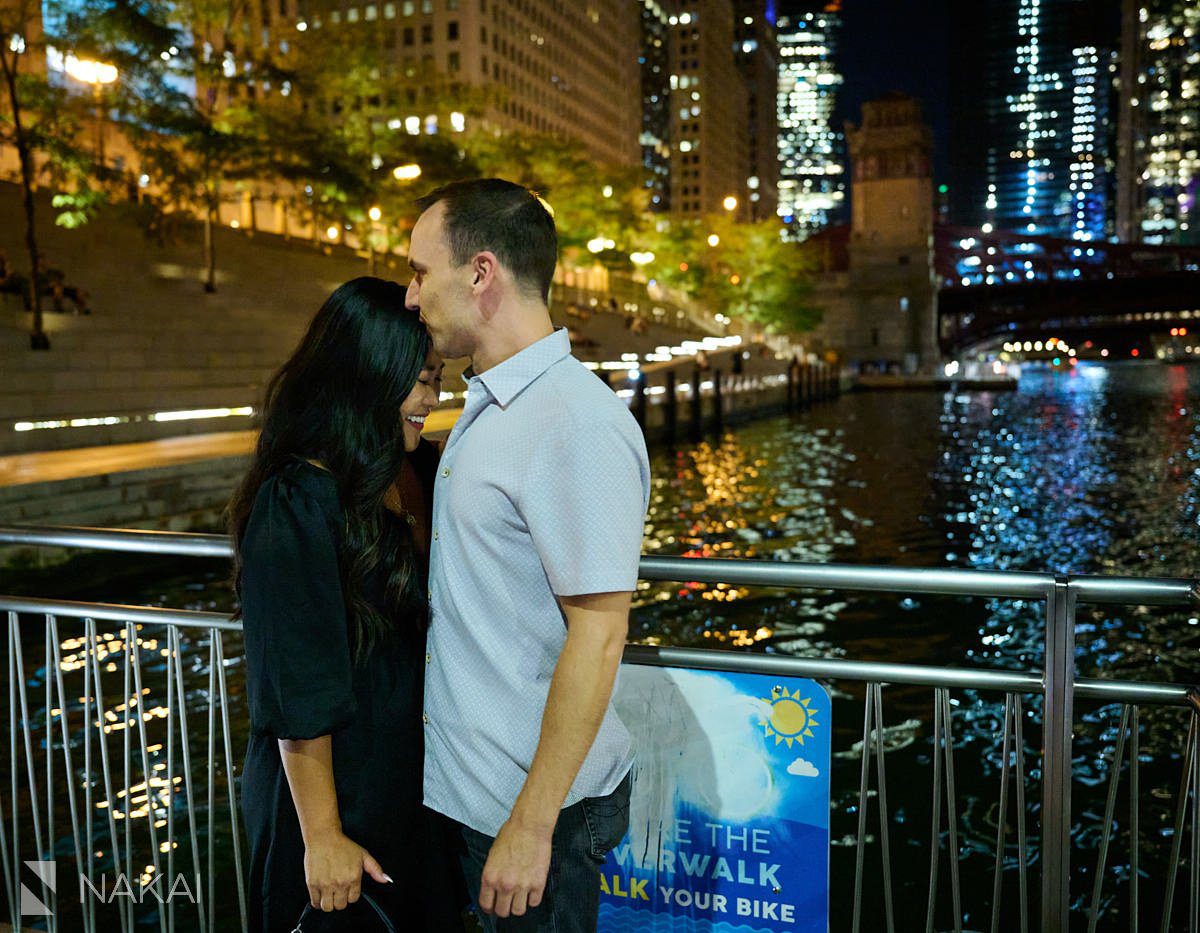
<point>376,215</point>
<point>99,75</point>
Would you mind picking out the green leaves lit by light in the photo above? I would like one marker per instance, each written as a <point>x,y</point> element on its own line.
<point>77,207</point>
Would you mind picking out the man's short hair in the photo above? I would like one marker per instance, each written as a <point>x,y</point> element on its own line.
<point>494,215</point>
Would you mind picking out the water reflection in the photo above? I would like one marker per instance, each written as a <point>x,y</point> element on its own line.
<point>1090,470</point>
<point>767,498</point>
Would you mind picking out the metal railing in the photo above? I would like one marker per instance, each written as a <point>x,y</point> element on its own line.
<point>1056,683</point>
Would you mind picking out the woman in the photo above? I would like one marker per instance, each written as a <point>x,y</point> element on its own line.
<point>331,530</point>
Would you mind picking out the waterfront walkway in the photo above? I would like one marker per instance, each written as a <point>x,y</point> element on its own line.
<point>55,465</point>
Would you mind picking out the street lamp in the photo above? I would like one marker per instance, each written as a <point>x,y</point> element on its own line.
<point>713,239</point>
<point>98,75</point>
<point>376,215</point>
<point>409,172</point>
<point>730,203</point>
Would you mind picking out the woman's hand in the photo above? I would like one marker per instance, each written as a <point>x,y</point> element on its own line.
<point>333,870</point>
<point>333,864</point>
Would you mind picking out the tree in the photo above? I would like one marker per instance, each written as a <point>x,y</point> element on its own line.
<point>40,117</point>
<point>746,271</point>
<point>204,104</point>
<point>590,200</point>
<point>361,153</point>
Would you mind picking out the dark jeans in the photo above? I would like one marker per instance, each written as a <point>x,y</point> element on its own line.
<point>585,833</point>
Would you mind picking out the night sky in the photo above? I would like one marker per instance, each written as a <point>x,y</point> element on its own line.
<point>897,45</point>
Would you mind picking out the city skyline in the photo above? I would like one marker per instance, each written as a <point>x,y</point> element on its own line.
<point>1047,135</point>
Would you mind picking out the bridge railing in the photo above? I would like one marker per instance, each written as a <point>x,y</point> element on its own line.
<point>119,717</point>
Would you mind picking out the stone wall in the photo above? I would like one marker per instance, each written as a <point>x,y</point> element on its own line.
<point>184,497</point>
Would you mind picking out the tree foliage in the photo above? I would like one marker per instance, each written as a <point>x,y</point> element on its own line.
<point>200,100</point>
<point>44,121</point>
<point>589,199</point>
<point>362,132</point>
<point>747,272</point>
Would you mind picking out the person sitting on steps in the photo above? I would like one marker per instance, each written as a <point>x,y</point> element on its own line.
<point>12,282</point>
<point>54,284</point>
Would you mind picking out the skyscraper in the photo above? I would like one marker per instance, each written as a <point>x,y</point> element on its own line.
<point>655,62</point>
<point>812,162</point>
<point>708,111</point>
<point>757,56</point>
<point>1160,131</point>
<point>1033,146</point>
<point>540,65</point>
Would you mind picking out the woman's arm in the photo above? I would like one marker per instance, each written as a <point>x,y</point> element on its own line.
<point>333,864</point>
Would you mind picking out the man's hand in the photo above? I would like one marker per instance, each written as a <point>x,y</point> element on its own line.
<point>514,876</point>
<point>333,870</point>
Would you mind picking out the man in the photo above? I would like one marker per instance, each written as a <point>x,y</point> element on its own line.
<point>539,510</point>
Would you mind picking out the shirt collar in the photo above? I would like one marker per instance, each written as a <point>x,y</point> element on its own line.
<point>505,381</point>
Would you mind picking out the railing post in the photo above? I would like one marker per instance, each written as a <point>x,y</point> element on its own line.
<point>1058,717</point>
<point>718,402</point>
<point>639,400</point>
<point>671,408</point>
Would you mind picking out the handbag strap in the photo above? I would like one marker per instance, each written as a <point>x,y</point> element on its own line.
<point>370,902</point>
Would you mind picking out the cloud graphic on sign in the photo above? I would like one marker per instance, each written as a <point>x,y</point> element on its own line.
<point>802,768</point>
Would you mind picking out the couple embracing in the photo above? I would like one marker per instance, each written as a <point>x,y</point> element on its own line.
<point>432,637</point>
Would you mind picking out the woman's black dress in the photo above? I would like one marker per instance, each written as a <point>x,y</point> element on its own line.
<point>302,683</point>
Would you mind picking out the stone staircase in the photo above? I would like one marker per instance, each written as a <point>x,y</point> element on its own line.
<point>155,342</point>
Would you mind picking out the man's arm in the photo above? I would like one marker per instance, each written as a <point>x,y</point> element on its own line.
<point>514,876</point>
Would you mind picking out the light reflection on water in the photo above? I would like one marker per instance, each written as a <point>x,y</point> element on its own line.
<point>1087,471</point>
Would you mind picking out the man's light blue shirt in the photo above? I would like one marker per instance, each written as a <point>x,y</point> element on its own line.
<point>542,490</point>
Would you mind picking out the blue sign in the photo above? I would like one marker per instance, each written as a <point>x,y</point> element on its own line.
<point>729,815</point>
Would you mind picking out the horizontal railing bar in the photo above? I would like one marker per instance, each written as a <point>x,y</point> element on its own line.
<point>1141,591</point>
<point>114,612</point>
<point>925,580</point>
<point>834,669</point>
<point>1027,682</point>
<point>179,543</point>
<point>1133,692</point>
<point>933,581</point>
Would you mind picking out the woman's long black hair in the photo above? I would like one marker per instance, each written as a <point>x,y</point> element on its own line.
<point>337,401</point>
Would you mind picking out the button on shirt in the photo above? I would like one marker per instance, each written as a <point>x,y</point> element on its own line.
<point>543,490</point>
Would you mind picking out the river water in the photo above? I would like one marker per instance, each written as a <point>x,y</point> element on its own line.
<point>1095,469</point>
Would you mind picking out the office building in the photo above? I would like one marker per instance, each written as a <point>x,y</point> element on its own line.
<point>757,56</point>
<point>1033,133</point>
<point>655,63</point>
<point>708,112</point>
<point>1159,129</point>
<point>540,66</point>
<point>811,152</point>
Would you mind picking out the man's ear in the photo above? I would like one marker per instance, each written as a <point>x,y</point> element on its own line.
<point>484,269</point>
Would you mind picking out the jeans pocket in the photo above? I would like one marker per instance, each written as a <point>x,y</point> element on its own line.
<point>607,819</point>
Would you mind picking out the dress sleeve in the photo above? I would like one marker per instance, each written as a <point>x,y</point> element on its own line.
<point>297,644</point>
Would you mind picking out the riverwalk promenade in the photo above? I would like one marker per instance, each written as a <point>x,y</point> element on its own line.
<point>57,465</point>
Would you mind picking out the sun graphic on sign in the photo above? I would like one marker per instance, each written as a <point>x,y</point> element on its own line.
<point>791,718</point>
